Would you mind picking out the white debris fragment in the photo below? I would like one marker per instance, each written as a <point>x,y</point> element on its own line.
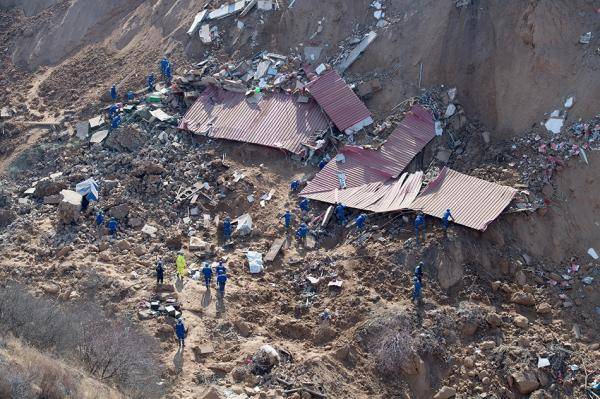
<point>197,19</point>
<point>592,252</point>
<point>205,34</point>
<point>320,69</point>
<point>555,123</point>
<point>586,38</point>
<point>569,102</point>
<point>450,110</point>
<point>543,362</point>
<point>452,93</point>
<point>438,128</point>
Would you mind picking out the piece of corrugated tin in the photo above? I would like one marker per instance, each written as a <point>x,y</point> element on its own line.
<point>278,120</point>
<point>339,102</point>
<point>393,195</point>
<point>364,166</point>
<point>473,202</point>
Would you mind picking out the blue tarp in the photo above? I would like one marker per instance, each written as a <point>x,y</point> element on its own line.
<point>88,188</point>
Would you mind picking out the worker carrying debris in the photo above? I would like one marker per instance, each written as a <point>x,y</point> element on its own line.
<point>160,272</point>
<point>419,272</point>
<point>221,280</point>
<point>180,332</point>
<point>180,262</point>
<point>207,272</point>
<point>164,63</point>
<point>360,221</point>
<point>420,226</point>
<point>304,206</point>
<point>417,289</point>
<point>113,92</point>
<point>287,219</point>
<point>227,229</point>
<point>116,121</point>
<point>113,110</point>
<point>340,214</point>
<point>445,219</point>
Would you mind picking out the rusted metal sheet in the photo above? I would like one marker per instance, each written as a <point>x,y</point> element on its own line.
<point>364,166</point>
<point>394,195</point>
<point>278,120</point>
<point>473,202</point>
<point>339,102</point>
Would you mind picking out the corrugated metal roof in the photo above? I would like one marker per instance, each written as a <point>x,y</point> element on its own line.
<point>393,195</point>
<point>278,120</point>
<point>473,202</point>
<point>364,166</point>
<point>338,101</point>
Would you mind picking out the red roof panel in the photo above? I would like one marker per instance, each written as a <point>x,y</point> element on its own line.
<point>338,101</point>
<point>278,120</point>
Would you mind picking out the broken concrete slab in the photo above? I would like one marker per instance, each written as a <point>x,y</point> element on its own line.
<point>5,113</point>
<point>248,8</point>
<point>204,33</point>
<point>96,122</point>
<point>197,19</point>
<point>274,250</point>
<point>356,52</point>
<point>83,129</point>
<point>227,10</point>
<point>160,115</point>
<point>266,5</point>
<point>197,244</point>
<point>149,230</point>
<point>99,136</point>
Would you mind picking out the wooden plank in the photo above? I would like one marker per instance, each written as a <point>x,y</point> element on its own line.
<point>274,250</point>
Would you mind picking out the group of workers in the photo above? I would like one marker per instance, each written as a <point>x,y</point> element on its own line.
<point>114,110</point>
<point>207,271</point>
<point>420,224</point>
<point>112,224</point>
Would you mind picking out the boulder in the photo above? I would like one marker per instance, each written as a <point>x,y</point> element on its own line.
<point>48,187</point>
<point>521,321</point>
<point>494,319</point>
<point>544,308</point>
<point>445,393</point>
<point>449,273</point>
<point>6,217</point>
<point>525,381</point>
<point>242,328</point>
<point>522,298</point>
<point>120,211</point>
<point>50,288</point>
<point>70,207</point>
<point>210,393</point>
<point>521,278</point>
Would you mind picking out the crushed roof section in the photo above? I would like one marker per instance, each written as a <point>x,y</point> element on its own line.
<point>278,120</point>
<point>365,166</point>
<point>393,195</point>
<point>339,102</point>
<point>474,202</point>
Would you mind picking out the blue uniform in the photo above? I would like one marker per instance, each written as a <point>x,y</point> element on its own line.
<point>227,228</point>
<point>417,289</point>
<point>221,280</point>
<point>446,217</point>
<point>420,226</point>
<point>112,226</point>
<point>294,185</point>
<point>419,272</point>
<point>207,271</point>
<point>130,96</point>
<point>113,92</point>
<point>287,218</point>
<point>322,163</point>
<point>304,205</point>
<point>113,110</point>
<point>180,332</point>
<point>221,269</point>
<point>168,74</point>
<point>302,231</point>
<point>340,214</point>
<point>99,218</point>
<point>163,64</point>
<point>360,221</point>
<point>151,82</point>
<point>116,121</point>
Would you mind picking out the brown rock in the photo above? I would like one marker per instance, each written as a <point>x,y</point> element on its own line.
<point>46,188</point>
<point>521,321</point>
<point>523,298</point>
<point>487,345</point>
<point>544,308</point>
<point>210,393</point>
<point>50,288</point>
<point>521,278</point>
<point>525,381</point>
<point>494,319</point>
<point>120,211</point>
<point>242,328</point>
<point>445,393</point>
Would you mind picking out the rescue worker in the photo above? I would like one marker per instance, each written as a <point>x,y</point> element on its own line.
<point>113,110</point>
<point>151,82</point>
<point>287,219</point>
<point>446,220</point>
<point>113,92</point>
<point>221,269</point>
<point>130,96</point>
<point>360,221</point>
<point>221,280</point>
<point>227,229</point>
<point>207,272</point>
<point>99,222</point>
<point>163,65</point>
<point>302,232</point>
<point>417,289</point>
<point>420,226</point>
<point>168,75</point>
<point>419,272</point>
<point>160,271</point>
<point>116,121</point>
<point>180,332</point>
<point>112,227</point>
<point>322,164</point>
<point>304,207</point>
<point>294,185</point>
<point>180,263</point>
<point>340,214</point>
